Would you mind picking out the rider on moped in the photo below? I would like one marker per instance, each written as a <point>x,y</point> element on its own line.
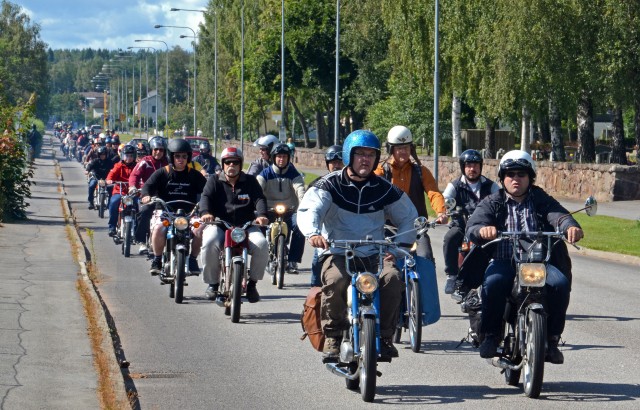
<point>265,144</point>
<point>100,167</point>
<point>236,198</point>
<point>467,190</point>
<point>208,162</point>
<point>283,184</point>
<point>176,181</point>
<point>120,173</point>
<point>521,206</point>
<point>353,204</point>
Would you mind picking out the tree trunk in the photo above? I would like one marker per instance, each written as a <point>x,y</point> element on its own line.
<point>555,125</point>
<point>636,125</point>
<point>357,121</point>
<point>618,153</point>
<point>545,134</point>
<point>584,120</point>
<point>456,109</point>
<point>525,137</point>
<point>301,121</point>
<point>321,131</point>
<point>489,138</point>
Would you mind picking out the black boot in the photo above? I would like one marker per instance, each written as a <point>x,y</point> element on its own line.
<point>252,293</point>
<point>554,355</point>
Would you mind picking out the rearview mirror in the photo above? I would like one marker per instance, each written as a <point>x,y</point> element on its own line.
<point>450,204</point>
<point>591,206</point>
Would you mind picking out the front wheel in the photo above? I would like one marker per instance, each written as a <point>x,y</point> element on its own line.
<point>280,261</point>
<point>534,357</point>
<point>368,358</point>
<point>178,281</point>
<point>126,244</point>
<point>101,205</point>
<point>236,291</point>
<point>415,315</point>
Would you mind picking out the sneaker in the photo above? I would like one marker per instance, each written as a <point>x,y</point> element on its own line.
<point>252,293</point>
<point>331,348</point>
<point>194,269</point>
<point>387,349</point>
<point>554,355</point>
<point>112,232</point>
<point>450,286</point>
<point>91,206</point>
<point>143,249</point>
<point>292,268</point>
<point>211,292</point>
<point>489,346</point>
<point>156,267</point>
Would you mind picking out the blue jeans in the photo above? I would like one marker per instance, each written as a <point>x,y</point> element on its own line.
<point>93,183</point>
<point>316,270</point>
<point>296,243</point>
<point>114,204</point>
<point>497,285</point>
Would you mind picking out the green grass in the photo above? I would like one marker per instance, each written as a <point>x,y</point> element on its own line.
<point>606,233</point>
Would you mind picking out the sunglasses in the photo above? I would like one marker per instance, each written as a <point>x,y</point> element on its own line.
<point>232,162</point>
<point>519,174</point>
<point>180,156</point>
<point>333,156</point>
<point>159,149</point>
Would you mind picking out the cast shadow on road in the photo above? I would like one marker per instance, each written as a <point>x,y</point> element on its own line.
<point>576,392</point>
<point>438,347</point>
<point>279,318</point>
<point>598,318</point>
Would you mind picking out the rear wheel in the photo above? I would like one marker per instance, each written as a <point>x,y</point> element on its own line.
<point>281,261</point>
<point>415,315</point>
<point>126,244</point>
<point>535,349</point>
<point>178,281</point>
<point>369,358</point>
<point>236,291</point>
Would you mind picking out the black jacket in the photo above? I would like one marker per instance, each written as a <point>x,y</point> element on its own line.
<point>492,211</point>
<point>100,167</point>
<point>170,185</point>
<point>236,204</point>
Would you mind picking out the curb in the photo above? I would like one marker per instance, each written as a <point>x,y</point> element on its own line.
<point>614,257</point>
<point>107,341</point>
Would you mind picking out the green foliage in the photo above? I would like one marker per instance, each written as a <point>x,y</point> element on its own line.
<point>610,234</point>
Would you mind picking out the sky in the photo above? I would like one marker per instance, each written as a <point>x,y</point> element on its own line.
<point>112,24</point>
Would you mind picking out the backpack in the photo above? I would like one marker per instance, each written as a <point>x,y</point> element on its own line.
<point>310,319</point>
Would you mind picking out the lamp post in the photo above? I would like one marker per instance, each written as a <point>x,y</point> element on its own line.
<point>336,114</point>
<point>156,97</point>
<point>166,84</point>
<point>215,73</point>
<point>195,69</point>
<point>283,131</point>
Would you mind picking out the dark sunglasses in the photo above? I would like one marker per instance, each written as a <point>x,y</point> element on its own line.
<point>519,174</point>
<point>333,156</point>
<point>232,162</point>
<point>180,156</point>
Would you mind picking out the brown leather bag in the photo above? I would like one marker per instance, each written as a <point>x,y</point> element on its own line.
<point>310,318</point>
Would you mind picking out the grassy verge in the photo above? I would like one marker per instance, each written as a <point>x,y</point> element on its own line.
<point>609,234</point>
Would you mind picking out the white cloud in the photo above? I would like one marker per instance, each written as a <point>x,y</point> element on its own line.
<point>113,24</point>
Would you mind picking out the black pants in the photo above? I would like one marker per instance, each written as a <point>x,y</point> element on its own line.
<point>451,245</point>
<point>143,223</point>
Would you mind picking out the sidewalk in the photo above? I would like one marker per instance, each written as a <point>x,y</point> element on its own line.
<point>46,359</point>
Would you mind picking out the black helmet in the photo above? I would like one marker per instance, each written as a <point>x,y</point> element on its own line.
<point>158,143</point>
<point>179,145</point>
<point>472,156</point>
<point>128,149</point>
<point>280,149</point>
<point>205,147</point>
<point>102,150</point>
<point>333,152</point>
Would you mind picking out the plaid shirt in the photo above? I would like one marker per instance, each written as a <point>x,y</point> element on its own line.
<point>520,217</point>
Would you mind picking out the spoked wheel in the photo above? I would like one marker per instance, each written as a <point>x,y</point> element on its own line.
<point>415,315</point>
<point>101,205</point>
<point>280,259</point>
<point>236,291</point>
<point>534,357</point>
<point>368,359</point>
<point>178,281</point>
<point>512,377</point>
<point>126,244</point>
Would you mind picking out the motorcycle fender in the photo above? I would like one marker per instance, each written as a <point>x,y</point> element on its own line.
<point>128,218</point>
<point>237,259</point>
<point>536,307</point>
<point>181,247</point>
<point>277,228</point>
<point>367,311</point>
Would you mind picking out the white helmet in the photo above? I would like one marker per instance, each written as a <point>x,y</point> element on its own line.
<point>199,133</point>
<point>517,159</point>
<point>102,135</point>
<point>398,135</point>
<point>266,142</point>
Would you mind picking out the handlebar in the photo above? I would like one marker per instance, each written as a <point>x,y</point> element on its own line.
<point>167,205</point>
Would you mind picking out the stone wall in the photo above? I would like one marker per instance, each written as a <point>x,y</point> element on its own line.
<point>607,182</point>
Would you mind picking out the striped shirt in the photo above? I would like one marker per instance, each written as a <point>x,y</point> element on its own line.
<point>520,217</point>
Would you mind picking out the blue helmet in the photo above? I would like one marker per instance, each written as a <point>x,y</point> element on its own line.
<point>360,138</point>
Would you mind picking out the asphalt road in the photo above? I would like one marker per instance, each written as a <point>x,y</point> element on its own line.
<point>192,356</point>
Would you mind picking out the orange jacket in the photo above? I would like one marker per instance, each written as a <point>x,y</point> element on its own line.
<point>401,177</point>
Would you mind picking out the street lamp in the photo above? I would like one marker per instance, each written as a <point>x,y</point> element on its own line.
<point>283,132</point>
<point>336,114</point>
<point>195,128</point>
<point>155,51</point>
<point>215,73</point>
<point>166,85</point>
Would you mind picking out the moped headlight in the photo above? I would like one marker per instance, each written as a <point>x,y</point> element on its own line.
<point>238,235</point>
<point>280,208</point>
<point>532,274</point>
<point>102,182</point>
<point>367,283</point>
<point>127,200</point>
<point>181,223</point>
